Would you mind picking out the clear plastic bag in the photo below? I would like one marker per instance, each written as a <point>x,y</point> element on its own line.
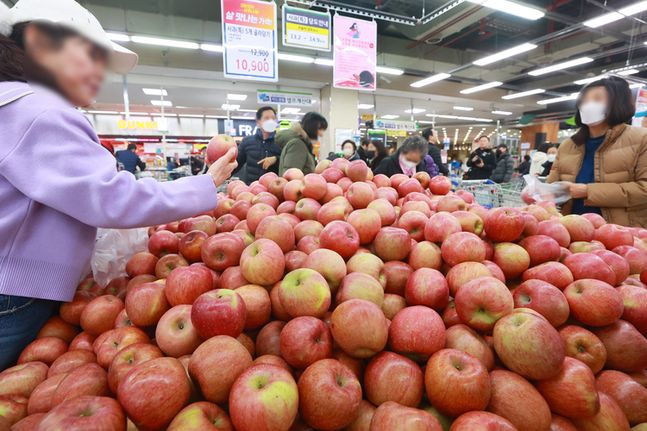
<point>536,191</point>
<point>113,249</point>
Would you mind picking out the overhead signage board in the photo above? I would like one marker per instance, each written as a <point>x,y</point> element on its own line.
<point>407,126</point>
<point>355,53</point>
<point>304,28</point>
<point>249,40</point>
<point>272,97</point>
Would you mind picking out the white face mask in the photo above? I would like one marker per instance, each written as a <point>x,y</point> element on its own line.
<point>348,152</point>
<point>269,126</point>
<point>408,164</point>
<point>593,113</point>
<point>551,157</point>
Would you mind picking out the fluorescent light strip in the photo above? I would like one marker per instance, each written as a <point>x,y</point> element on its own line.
<point>481,87</point>
<point>229,107</point>
<point>246,110</point>
<point>430,80</point>
<point>155,91</point>
<point>389,70</point>
<point>165,42</point>
<point>389,117</point>
<point>211,47</point>
<point>295,58</point>
<point>237,97</point>
<point>290,111</point>
<point>589,80</point>
<point>414,111</point>
<point>365,106</point>
<point>502,112</point>
<point>166,103</point>
<point>118,37</point>
<point>560,66</point>
<point>505,54</point>
<point>512,8</point>
<point>571,96</point>
<point>463,108</point>
<point>459,117</point>
<point>190,116</point>
<point>523,94</point>
<point>628,72</point>
<point>605,19</point>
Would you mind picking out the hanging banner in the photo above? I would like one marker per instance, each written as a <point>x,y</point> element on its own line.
<point>249,40</point>
<point>273,97</point>
<point>640,119</point>
<point>406,126</point>
<point>355,53</point>
<point>305,28</point>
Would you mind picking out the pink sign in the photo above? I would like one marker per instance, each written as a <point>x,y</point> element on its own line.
<point>355,53</point>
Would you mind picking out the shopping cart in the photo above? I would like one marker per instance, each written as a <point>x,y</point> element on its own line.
<point>492,195</point>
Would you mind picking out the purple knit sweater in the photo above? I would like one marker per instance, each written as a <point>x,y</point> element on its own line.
<point>57,185</point>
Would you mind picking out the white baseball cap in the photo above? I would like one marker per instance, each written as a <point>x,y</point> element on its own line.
<point>71,15</point>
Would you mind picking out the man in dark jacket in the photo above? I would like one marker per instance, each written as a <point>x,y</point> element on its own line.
<point>434,151</point>
<point>482,161</point>
<point>524,167</point>
<point>130,160</point>
<point>504,165</point>
<point>259,153</point>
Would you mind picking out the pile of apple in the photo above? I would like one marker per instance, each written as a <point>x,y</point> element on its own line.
<point>340,300</point>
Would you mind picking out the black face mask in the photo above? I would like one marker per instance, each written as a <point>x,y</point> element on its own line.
<point>370,154</point>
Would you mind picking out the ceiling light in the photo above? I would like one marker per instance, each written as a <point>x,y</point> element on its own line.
<point>463,108</point>
<point>523,94</point>
<point>636,85</point>
<point>136,114</point>
<point>103,112</point>
<point>458,117</point>
<point>414,111</point>
<point>628,72</point>
<point>211,47</point>
<point>295,58</point>
<point>390,117</point>
<point>215,116</point>
<point>290,111</point>
<point>571,96</point>
<point>364,106</point>
<point>155,91</point>
<point>430,80</point>
<point>605,19</point>
<point>229,107</point>
<point>246,110</point>
<point>324,61</point>
<point>166,103</point>
<point>589,80</point>
<point>516,9</point>
<point>165,42</point>
<point>242,118</point>
<point>560,66</point>
<point>191,116</point>
<point>481,87</point>
<point>118,37</point>
<point>501,112</point>
<point>505,54</point>
<point>389,70</point>
<point>238,97</point>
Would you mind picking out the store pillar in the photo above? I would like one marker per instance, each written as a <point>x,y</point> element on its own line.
<point>340,109</point>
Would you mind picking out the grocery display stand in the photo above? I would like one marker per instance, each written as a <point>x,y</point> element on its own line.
<point>492,195</point>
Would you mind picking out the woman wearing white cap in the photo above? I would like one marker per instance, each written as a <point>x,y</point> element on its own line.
<point>53,58</point>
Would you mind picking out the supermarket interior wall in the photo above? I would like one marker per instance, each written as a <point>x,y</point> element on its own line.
<point>340,109</point>
<point>529,133</point>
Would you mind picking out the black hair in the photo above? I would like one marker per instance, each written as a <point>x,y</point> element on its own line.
<point>427,133</point>
<point>415,143</point>
<point>379,146</point>
<point>312,122</point>
<point>526,158</point>
<point>503,146</point>
<point>620,107</point>
<point>132,147</point>
<point>483,136</point>
<point>364,142</point>
<point>543,147</point>
<point>349,141</point>
<point>259,113</point>
<point>16,65</point>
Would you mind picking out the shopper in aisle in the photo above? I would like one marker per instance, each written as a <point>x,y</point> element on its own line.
<point>362,150</point>
<point>551,155</point>
<point>524,167</point>
<point>504,165</point>
<point>199,162</point>
<point>434,151</point>
<point>605,162</point>
<point>53,59</point>
<point>376,153</point>
<point>259,154</point>
<point>130,160</point>
<point>297,142</point>
<point>408,159</point>
<point>538,159</point>
<point>482,161</point>
<point>349,150</point>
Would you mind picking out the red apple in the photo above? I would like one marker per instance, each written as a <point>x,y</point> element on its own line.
<point>109,343</point>
<point>70,360</point>
<point>511,258</point>
<point>127,359</point>
<point>483,301</point>
<point>262,262</point>
<point>46,349</point>
<point>191,245</point>
<point>332,175</point>
<point>83,341</point>
<point>417,332</point>
<point>544,298</point>
<point>588,265</point>
<point>610,417</point>
<point>594,302</point>
<point>396,275</point>
<point>307,208</point>
<point>232,277</point>
<point>99,314</point>
<point>392,305</point>
<point>427,287</point>
<point>626,347</point>
<point>85,413</point>
<point>413,222</point>
<point>329,264</point>
<point>201,416</point>
<point>585,346</point>
<point>357,170</point>
<point>219,146</point>
<point>359,195</point>
<point>264,398</point>
<point>145,304</point>
<point>222,251</point>
<point>440,185</point>
<point>163,242</point>
<point>308,244</point>
<point>470,221</point>
<point>482,421</point>
<point>219,312</point>
<point>340,237</point>
<point>554,273</point>
<point>333,211</point>
<point>384,376</point>
<point>635,306</point>
<point>460,274</point>
<point>462,247</point>
<point>141,263</point>
<point>304,341</point>
<point>359,328</point>
<point>630,395</point>
<point>579,228</point>
<point>268,341</point>
<point>175,333</point>
<point>185,284</point>
<point>88,379</point>
<point>617,263</point>
<point>367,263</point>
<point>612,236</point>
<point>463,338</point>
<point>555,230</point>
<point>363,420</point>
<point>504,224</point>
<point>456,382</point>
<point>440,226</point>
<point>204,223</point>
<point>304,292</point>
<point>238,210</point>
<point>451,203</point>
<point>392,416</point>
<point>40,400</point>
<point>385,209</point>
<point>541,248</point>
<point>367,223</point>
<point>168,263</point>
<point>357,285</point>
<point>257,303</point>
<point>636,258</point>
<point>392,243</point>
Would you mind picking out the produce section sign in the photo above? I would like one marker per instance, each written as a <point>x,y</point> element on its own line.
<point>250,42</point>
<point>407,126</point>
<point>355,53</point>
<point>305,28</point>
<point>264,97</point>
